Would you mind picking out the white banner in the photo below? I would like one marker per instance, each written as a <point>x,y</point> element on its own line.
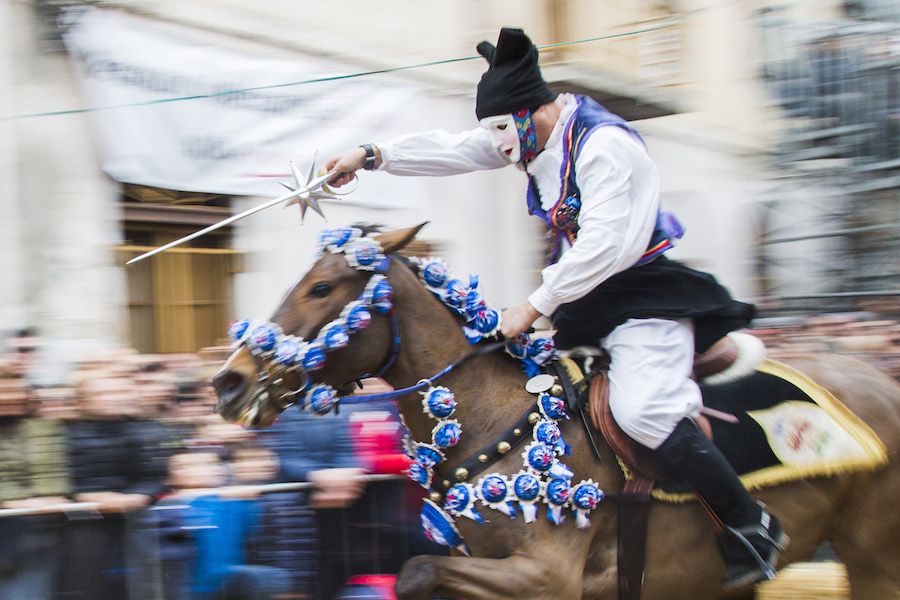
<point>222,141</point>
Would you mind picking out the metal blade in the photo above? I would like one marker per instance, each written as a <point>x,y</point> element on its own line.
<point>313,185</point>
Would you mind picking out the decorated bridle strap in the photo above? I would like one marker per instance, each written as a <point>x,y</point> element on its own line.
<point>394,351</point>
<point>515,434</point>
<point>576,398</point>
<point>424,383</point>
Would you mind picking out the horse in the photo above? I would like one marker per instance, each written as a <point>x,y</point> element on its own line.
<point>509,558</point>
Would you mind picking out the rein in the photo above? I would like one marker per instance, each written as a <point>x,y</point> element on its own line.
<point>423,383</point>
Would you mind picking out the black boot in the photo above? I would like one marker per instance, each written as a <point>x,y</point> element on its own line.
<point>753,538</point>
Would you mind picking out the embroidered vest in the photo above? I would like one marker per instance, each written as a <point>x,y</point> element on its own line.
<point>562,218</point>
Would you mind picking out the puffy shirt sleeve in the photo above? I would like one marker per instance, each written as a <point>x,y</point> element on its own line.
<point>439,152</point>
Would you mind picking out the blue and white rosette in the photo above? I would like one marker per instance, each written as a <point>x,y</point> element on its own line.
<point>532,352</point>
<point>357,316</point>
<point>321,399</point>
<point>433,272</point>
<point>541,349</point>
<point>263,337</point>
<point>484,323</point>
<point>428,454</point>
<point>517,347</point>
<point>239,329</point>
<point>364,254</point>
<point>440,528</point>
<point>552,407</point>
<point>379,294</point>
<point>526,488</point>
<point>454,294</point>
<point>287,350</point>
<point>556,496</point>
<point>334,240</point>
<point>334,335</point>
<point>312,356</point>
<point>446,433</point>
<point>438,402</point>
<point>549,433</point>
<point>460,501</point>
<point>420,473</point>
<point>585,498</point>
<point>496,492</point>
<point>541,458</point>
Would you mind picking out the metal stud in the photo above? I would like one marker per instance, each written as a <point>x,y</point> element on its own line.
<point>534,418</point>
<point>461,474</point>
<point>517,431</point>
<point>446,483</point>
<point>503,447</point>
<point>436,497</point>
<point>556,390</point>
<point>482,458</point>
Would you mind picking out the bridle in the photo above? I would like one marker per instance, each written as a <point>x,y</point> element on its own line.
<point>279,358</point>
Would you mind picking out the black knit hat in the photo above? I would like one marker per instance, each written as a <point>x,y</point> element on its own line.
<point>513,81</point>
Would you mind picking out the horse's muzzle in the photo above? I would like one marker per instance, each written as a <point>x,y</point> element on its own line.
<point>230,385</point>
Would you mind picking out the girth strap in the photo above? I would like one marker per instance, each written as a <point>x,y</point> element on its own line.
<point>634,508</point>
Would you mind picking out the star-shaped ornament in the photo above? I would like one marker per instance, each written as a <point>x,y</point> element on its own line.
<point>308,199</point>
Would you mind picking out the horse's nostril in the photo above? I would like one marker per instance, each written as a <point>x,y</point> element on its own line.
<point>229,385</point>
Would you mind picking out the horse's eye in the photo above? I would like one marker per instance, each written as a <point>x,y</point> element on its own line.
<point>320,290</point>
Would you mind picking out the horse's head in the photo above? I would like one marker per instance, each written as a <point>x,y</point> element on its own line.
<point>278,362</point>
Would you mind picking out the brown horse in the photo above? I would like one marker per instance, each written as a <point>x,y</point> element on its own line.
<point>856,512</point>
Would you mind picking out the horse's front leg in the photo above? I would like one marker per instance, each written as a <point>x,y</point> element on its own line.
<point>518,576</point>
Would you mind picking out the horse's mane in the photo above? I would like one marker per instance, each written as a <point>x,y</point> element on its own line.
<point>368,228</point>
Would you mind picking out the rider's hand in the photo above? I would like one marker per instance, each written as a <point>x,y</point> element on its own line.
<point>346,165</point>
<point>336,487</point>
<point>517,319</point>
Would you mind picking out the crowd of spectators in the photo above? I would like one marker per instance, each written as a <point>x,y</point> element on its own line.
<point>123,484</point>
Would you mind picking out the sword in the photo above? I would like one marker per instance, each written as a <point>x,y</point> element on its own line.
<point>303,192</point>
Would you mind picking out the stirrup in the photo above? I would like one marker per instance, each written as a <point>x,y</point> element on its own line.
<point>739,574</point>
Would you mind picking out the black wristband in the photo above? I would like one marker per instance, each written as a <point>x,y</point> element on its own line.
<point>369,165</point>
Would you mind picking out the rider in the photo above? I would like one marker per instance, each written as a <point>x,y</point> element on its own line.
<point>591,179</point>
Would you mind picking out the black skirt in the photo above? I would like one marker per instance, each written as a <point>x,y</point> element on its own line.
<point>662,289</point>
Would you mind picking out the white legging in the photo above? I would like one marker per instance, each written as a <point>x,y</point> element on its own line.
<point>650,385</point>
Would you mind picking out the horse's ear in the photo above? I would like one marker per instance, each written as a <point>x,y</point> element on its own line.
<point>394,241</point>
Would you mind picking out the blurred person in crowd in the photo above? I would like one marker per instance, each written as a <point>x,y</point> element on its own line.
<point>118,459</point>
<point>190,473</point>
<point>394,532</point>
<point>592,181</point>
<point>34,475</point>
<point>285,536</point>
<point>19,351</point>
<point>211,526</point>
<point>318,449</point>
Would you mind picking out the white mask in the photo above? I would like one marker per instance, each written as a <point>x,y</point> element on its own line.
<point>504,135</point>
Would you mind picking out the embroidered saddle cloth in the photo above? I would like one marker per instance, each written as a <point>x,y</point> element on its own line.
<point>788,428</point>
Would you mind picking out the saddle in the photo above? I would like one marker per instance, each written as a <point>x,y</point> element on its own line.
<point>634,501</point>
<point>721,356</point>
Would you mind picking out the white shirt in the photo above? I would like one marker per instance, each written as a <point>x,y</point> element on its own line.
<point>619,187</point>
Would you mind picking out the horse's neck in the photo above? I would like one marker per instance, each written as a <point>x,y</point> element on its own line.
<point>489,389</point>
